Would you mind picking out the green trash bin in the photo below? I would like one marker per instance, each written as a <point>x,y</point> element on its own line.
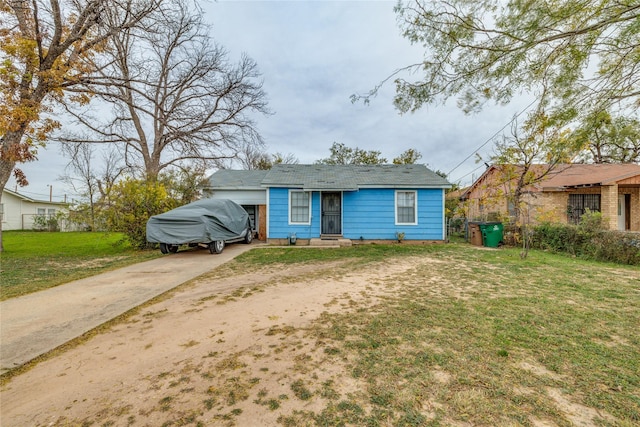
<point>491,233</point>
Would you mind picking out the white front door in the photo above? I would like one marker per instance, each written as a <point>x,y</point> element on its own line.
<point>621,212</point>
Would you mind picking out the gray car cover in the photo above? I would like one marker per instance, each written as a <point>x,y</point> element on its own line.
<point>203,221</point>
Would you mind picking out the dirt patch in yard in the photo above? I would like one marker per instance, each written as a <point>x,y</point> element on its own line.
<point>237,349</point>
<point>226,350</point>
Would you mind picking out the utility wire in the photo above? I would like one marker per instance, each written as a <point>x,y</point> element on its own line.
<point>491,138</point>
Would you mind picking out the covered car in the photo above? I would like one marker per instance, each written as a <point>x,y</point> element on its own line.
<point>207,222</point>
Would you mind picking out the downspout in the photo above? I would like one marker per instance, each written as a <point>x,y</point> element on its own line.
<point>444,217</point>
<point>267,212</point>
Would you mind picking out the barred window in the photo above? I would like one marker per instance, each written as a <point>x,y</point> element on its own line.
<point>300,203</point>
<point>406,207</point>
<point>578,205</point>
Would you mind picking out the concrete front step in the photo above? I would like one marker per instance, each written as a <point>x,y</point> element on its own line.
<point>337,242</point>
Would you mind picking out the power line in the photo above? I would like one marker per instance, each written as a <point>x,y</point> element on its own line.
<point>491,138</point>
<point>473,171</point>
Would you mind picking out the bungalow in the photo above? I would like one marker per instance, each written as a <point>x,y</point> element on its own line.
<point>20,212</point>
<point>355,202</point>
<point>564,195</point>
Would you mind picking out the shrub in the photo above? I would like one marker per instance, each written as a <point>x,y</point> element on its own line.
<point>588,240</point>
<point>132,203</point>
<point>615,246</point>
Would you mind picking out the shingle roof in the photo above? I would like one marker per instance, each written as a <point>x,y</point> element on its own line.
<point>353,177</point>
<point>577,175</point>
<point>237,179</point>
<point>571,176</point>
<point>329,177</point>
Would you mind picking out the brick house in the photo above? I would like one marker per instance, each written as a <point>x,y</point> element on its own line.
<point>564,195</point>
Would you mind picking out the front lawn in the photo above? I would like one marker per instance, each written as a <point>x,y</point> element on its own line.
<point>471,336</point>
<point>374,335</point>
<point>33,260</point>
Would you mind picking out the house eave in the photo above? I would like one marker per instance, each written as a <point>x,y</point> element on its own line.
<point>412,186</point>
<point>360,187</point>
<point>236,188</point>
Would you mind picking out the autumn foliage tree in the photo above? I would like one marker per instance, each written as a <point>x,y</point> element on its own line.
<point>46,48</point>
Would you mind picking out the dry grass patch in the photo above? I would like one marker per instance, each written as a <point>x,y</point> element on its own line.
<point>435,336</point>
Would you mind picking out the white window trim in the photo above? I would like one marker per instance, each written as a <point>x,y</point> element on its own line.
<point>308,222</point>
<point>415,207</point>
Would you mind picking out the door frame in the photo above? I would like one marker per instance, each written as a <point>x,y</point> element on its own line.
<point>627,213</point>
<point>322,195</point>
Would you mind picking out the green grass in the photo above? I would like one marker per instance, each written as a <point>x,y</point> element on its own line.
<point>491,341</point>
<point>464,336</point>
<point>33,261</point>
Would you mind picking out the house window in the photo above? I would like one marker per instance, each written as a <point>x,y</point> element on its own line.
<point>51,212</point>
<point>300,207</point>
<point>578,205</point>
<point>406,207</point>
<point>511,208</point>
<point>42,211</point>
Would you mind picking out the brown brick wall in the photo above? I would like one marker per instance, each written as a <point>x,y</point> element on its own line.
<point>551,206</point>
<point>609,206</point>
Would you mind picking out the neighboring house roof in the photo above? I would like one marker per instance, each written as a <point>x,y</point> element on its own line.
<point>574,175</point>
<point>329,177</point>
<point>353,177</point>
<point>582,175</point>
<point>237,179</point>
<point>29,199</point>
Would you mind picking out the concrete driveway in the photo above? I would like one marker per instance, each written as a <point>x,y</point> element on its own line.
<point>34,324</point>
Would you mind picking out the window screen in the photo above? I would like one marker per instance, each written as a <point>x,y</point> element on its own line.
<point>406,207</point>
<point>300,206</point>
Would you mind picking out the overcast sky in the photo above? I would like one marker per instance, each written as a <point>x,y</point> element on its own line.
<point>313,55</point>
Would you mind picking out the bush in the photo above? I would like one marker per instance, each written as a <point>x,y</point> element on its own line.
<point>616,246</point>
<point>588,240</point>
<point>132,203</point>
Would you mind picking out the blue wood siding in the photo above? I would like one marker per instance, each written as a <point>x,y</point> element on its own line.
<point>369,214</point>
<point>279,227</point>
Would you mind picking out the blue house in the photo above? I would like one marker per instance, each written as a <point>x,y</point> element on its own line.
<point>349,202</point>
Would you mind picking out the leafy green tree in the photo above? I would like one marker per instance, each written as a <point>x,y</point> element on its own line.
<point>409,157</point>
<point>609,139</point>
<point>343,155</point>
<point>184,185</point>
<point>131,203</point>
<point>569,54</point>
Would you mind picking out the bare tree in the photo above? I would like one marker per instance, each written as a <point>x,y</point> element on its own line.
<point>528,156</point>
<point>175,98</point>
<point>252,157</point>
<point>88,181</point>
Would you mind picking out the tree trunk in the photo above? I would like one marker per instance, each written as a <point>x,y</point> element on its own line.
<point>10,142</point>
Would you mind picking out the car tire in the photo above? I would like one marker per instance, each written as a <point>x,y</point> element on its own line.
<point>216,247</point>
<point>164,248</point>
<point>173,248</point>
<point>248,238</point>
